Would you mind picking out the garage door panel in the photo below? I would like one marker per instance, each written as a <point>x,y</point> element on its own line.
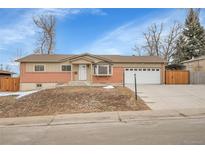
<point>129,77</point>
<point>143,75</point>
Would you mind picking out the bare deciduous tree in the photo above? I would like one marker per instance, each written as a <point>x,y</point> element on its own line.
<point>46,42</point>
<point>169,42</point>
<point>152,40</point>
<point>17,55</point>
<point>1,66</point>
<point>159,44</point>
<point>7,68</point>
<point>137,50</point>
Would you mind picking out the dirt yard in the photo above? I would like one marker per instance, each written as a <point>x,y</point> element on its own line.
<point>67,100</point>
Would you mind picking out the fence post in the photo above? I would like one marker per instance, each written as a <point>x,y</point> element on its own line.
<point>135,80</point>
<point>165,77</point>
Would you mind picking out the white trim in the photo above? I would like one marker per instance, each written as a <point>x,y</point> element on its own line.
<point>107,65</point>
<point>91,72</point>
<point>39,71</point>
<point>71,73</point>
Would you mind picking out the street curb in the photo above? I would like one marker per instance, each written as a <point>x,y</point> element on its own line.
<point>100,117</point>
<point>60,119</point>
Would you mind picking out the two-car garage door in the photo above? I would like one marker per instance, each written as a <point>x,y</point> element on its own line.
<point>143,75</point>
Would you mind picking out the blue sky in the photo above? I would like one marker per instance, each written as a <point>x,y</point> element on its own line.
<point>98,31</point>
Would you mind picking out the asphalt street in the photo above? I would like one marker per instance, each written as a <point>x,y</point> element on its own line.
<point>176,130</point>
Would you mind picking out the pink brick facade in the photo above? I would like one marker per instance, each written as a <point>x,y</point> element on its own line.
<point>65,77</point>
<point>43,77</point>
<point>117,77</point>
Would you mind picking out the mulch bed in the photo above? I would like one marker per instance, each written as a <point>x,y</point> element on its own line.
<point>67,100</point>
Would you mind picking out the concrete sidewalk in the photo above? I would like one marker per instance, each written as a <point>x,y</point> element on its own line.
<point>103,117</point>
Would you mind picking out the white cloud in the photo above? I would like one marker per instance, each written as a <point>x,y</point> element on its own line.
<point>24,30</point>
<point>21,32</point>
<point>2,49</point>
<point>96,11</point>
<point>122,39</point>
<point>64,12</point>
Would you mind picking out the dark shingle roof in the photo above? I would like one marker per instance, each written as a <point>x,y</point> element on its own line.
<point>124,59</point>
<point>5,72</point>
<point>113,58</point>
<point>43,58</point>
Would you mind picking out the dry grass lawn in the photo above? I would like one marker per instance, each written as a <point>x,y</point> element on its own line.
<point>67,100</point>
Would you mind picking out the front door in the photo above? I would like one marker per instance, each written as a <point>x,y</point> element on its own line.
<point>82,72</point>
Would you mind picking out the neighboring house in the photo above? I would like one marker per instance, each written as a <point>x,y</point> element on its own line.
<point>4,73</point>
<point>195,64</point>
<point>50,70</point>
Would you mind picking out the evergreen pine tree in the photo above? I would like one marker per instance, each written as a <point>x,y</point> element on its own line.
<point>192,42</point>
<point>179,56</point>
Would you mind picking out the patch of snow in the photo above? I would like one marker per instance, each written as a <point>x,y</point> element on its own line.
<point>7,94</point>
<point>19,94</point>
<point>22,94</point>
<point>109,87</point>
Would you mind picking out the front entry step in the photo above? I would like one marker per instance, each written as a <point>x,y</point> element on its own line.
<point>79,83</point>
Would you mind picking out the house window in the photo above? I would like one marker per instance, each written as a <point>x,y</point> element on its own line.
<point>102,69</point>
<point>39,68</point>
<point>38,85</point>
<point>66,68</point>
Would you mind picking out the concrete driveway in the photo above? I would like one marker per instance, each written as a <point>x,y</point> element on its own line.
<point>172,97</point>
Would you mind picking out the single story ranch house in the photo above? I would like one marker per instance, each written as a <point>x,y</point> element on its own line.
<point>45,71</point>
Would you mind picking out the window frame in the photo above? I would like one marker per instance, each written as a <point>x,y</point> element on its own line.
<point>39,85</point>
<point>44,67</point>
<point>109,68</point>
<point>66,65</point>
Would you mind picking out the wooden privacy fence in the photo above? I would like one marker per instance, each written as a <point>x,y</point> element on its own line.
<point>197,77</point>
<point>176,77</point>
<point>9,84</point>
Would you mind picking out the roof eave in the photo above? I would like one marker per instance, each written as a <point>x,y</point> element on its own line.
<point>160,62</point>
<point>91,55</point>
